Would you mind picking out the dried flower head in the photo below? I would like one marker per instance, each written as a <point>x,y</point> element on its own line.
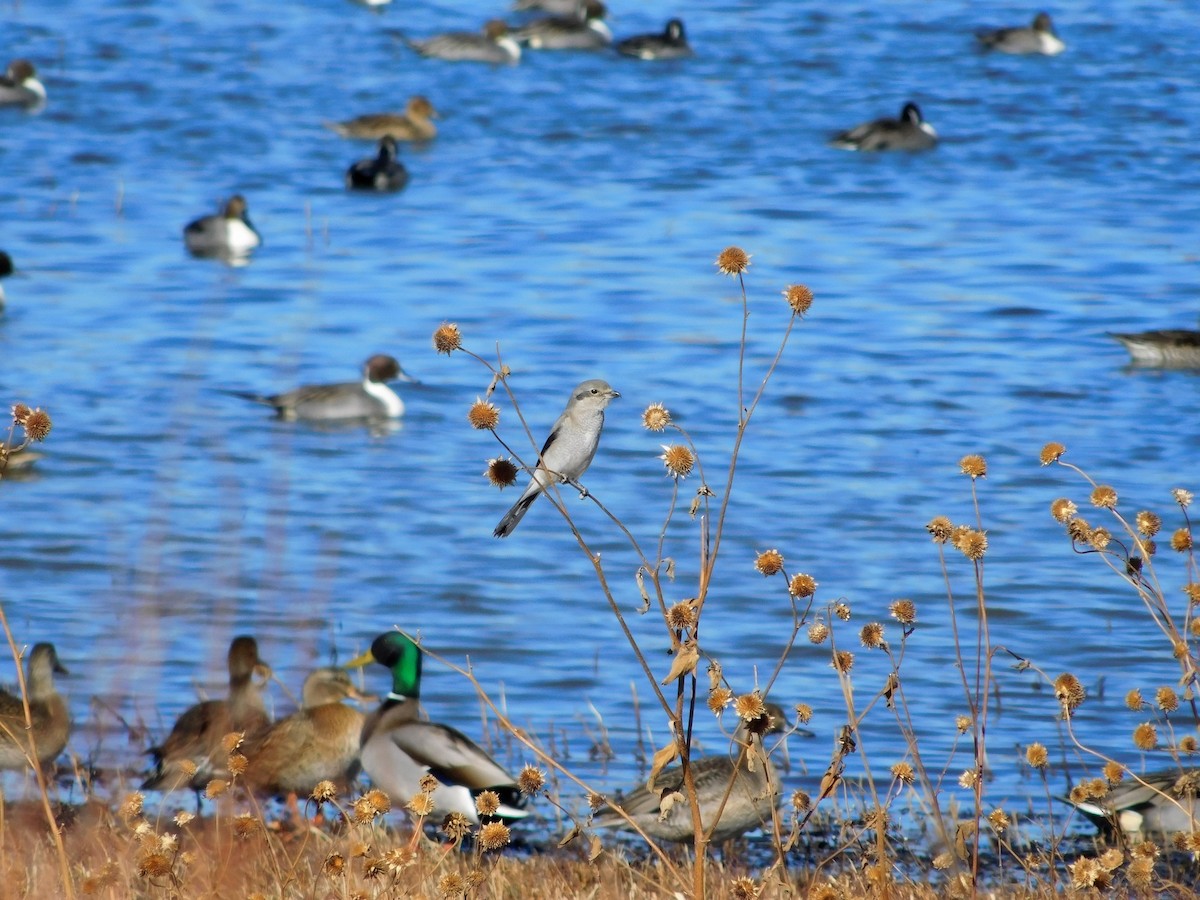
<point>681,615</point>
<point>971,543</point>
<point>719,698</point>
<point>973,465</point>
<point>802,585</point>
<point>324,791</point>
<point>334,865</point>
<point>1147,523</point>
<point>487,802</point>
<point>493,836</point>
<point>656,417</point>
<point>1181,540</point>
<point>1086,873</point>
<point>943,860</point>
<point>1145,736</point>
<point>236,764</point>
<point>456,826</point>
<point>804,713</point>
<point>183,818</point>
<point>749,706</point>
<point>1079,531</point>
<point>19,412</point>
<point>1099,538</point>
<point>364,811</point>
<point>1134,701</point>
<point>452,886</point>
<point>37,425</point>
<point>1051,452</point>
<point>420,805</point>
<point>903,772</point>
<point>733,261</point>
<point>1070,693</point>
<point>1191,590</point>
<point>1063,510</point>
<point>1037,756</point>
<point>799,298</point>
<point>531,780</point>
<point>843,661</point>
<point>483,415</point>
<point>801,801</point>
<point>233,741</point>
<point>999,820</point>
<point>842,611</point>
<point>903,611</point>
<point>1182,497</point>
<point>744,888</point>
<point>940,528</point>
<point>1104,497</point>
<point>154,865</point>
<point>818,632</point>
<point>678,459</point>
<point>1166,699</point>
<point>501,472</point>
<point>962,724</point>
<point>246,825</point>
<point>216,788</point>
<point>1114,772</point>
<point>769,562</point>
<point>968,779</point>
<point>428,783</point>
<point>132,805</point>
<point>447,338</point>
<point>871,636</point>
<point>378,800</point>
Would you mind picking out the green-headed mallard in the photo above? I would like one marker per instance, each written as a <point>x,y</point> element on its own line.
<point>1157,803</point>
<point>755,790</point>
<point>317,743</point>
<point>196,739</point>
<point>398,748</point>
<point>47,711</point>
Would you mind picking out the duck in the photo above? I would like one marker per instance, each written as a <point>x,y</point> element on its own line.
<point>319,742</point>
<point>494,45</point>
<point>1039,37</point>
<point>909,132</point>
<point>749,806</point>
<point>553,7</point>
<point>1168,348</point>
<point>6,269</point>
<point>414,124</point>
<point>48,713</point>
<point>398,748</point>
<point>671,44</point>
<point>225,234</point>
<point>19,85</point>
<point>370,398</point>
<point>1157,803</point>
<point>193,753</point>
<point>382,172</point>
<point>585,30</point>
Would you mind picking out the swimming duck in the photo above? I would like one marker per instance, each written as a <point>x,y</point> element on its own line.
<point>671,44</point>
<point>414,124</point>
<point>1161,803</point>
<point>370,398</point>
<point>19,85</point>
<point>198,734</point>
<point>317,743</point>
<point>226,234</point>
<point>398,748</point>
<point>586,30</point>
<point>493,45</point>
<point>47,711</point>
<point>909,132</point>
<point>1170,348</point>
<point>553,7</point>
<point>1039,37</point>
<point>6,269</point>
<point>382,172</point>
<point>750,802</point>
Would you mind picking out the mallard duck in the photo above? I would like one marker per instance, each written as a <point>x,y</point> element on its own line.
<point>370,398</point>
<point>755,792</point>
<point>1171,348</point>
<point>47,712</point>
<point>317,743</point>
<point>671,44</point>
<point>414,124</point>
<point>1157,803</point>
<point>224,234</point>
<point>398,748</point>
<point>584,30</point>
<point>1038,37</point>
<point>382,172</point>
<point>909,132</point>
<point>493,45</point>
<point>198,735</point>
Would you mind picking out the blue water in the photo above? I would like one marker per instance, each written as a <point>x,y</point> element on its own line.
<point>570,212</point>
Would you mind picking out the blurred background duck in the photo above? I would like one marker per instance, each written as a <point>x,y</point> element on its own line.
<point>494,45</point>
<point>414,124</point>
<point>398,748</point>
<point>584,30</point>
<point>909,132</point>
<point>671,44</point>
<point>47,712</point>
<point>1154,805</point>
<point>665,813</point>
<point>6,269</point>
<point>19,85</point>
<point>382,172</point>
<point>317,743</point>
<point>1168,348</point>
<point>194,752</point>
<point>553,7</point>
<point>370,398</point>
<point>226,234</point>
<point>1038,37</point>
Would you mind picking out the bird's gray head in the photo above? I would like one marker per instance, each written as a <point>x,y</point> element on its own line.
<point>594,392</point>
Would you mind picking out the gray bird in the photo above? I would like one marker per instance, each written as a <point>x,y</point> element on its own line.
<point>585,30</point>
<point>1039,37</point>
<point>1171,348</point>
<point>909,132</point>
<point>227,234</point>
<point>370,398</point>
<point>493,45</point>
<point>568,450</point>
<point>47,712</point>
<point>19,86</point>
<point>1162,803</point>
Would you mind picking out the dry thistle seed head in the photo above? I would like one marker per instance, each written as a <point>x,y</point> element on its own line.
<point>1051,452</point>
<point>733,261</point>
<point>531,780</point>
<point>1181,540</point>
<point>818,632</point>
<point>132,805</point>
<point>447,338</point>
<point>334,865</point>
<point>487,802</point>
<point>1145,736</point>
<point>398,859</point>
<point>719,698</point>
<point>943,861</point>
<point>871,636</point>
<point>743,888</point>
<point>843,661</point>
<point>233,740</point>
<point>681,615</point>
<point>379,801</point>
<point>595,801</point>
<point>973,465</point>
<point>1188,744</point>
<point>842,611</point>
<point>1147,523</point>
<point>1063,510</point>
<point>246,825</point>
<point>801,802</point>
<point>903,611</point>
<point>1191,590</point>
<point>420,805</point>
<point>656,417</point>
<point>501,472</point>
<point>154,865</point>
<point>183,818</point>
<point>1104,497</point>
<point>1069,691</point>
<point>428,784</point>
<point>493,836</point>
<point>1182,497</point>
<point>802,586</point>
<point>1037,756</point>
<point>903,772</point>
<point>804,713</point>
<point>678,459</point>
<point>483,416</point>
<point>1099,538</point>
<point>1134,701</point>
<point>37,425</point>
<point>188,768</point>
<point>999,820</point>
<point>940,528</point>
<point>237,764</point>
<point>324,791</point>
<point>1078,530</point>
<point>749,707</point>
<point>1179,649</point>
<point>19,412</point>
<point>962,724</point>
<point>216,788</point>
<point>769,562</point>
<point>363,811</point>
<point>968,779</point>
<point>1166,699</point>
<point>799,298</point>
<point>971,543</point>
<point>452,886</point>
<point>1114,772</point>
<point>1140,873</point>
<point>456,826</point>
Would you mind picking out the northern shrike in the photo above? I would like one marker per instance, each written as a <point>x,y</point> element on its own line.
<point>569,449</point>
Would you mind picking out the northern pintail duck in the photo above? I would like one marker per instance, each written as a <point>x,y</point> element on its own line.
<point>6,269</point>
<point>317,743</point>
<point>755,790</point>
<point>382,172</point>
<point>671,44</point>
<point>225,234</point>
<point>1154,804</point>
<point>1038,37</point>
<point>19,85</point>
<point>47,712</point>
<point>909,132</point>
<point>370,398</point>
<point>553,7</point>
<point>414,124</point>
<point>586,30</point>
<point>194,752</point>
<point>493,45</point>
<point>398,749</point>
<point>1170,348</point>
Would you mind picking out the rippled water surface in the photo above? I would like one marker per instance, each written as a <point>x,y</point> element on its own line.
<point>570,212</point>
